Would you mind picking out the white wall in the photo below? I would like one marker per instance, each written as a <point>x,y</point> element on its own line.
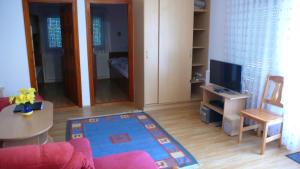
<point>216,32</point>
<point>117,18</point>
<point>14,71</point>
<point>83,53</point>
<point>217,26</point>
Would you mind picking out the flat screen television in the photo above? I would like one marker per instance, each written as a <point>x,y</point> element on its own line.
<point>226,75</point>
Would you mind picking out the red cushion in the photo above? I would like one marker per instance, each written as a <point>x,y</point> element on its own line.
<point>129,160</point>
<point>48,156</point>
<point>4,102</point>
<point>83,145</point>
<point>38,98</point>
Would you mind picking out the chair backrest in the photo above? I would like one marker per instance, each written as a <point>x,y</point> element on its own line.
<point>275,97</point>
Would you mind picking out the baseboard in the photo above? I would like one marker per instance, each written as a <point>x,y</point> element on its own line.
<point>103,77</point>
<point>53,80</point>
<point>152,107</point>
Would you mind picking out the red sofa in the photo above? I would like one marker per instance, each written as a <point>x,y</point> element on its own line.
<point>75,154</point>
<point>4,101</point>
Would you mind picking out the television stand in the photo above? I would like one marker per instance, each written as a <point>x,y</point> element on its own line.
<point>233,103</point>
<point>224,90</point>
<point>217,103</point>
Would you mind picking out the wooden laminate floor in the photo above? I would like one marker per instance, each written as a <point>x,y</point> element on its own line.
<point>54,92</point>
<point>106,90</point>
<point>210,146</point>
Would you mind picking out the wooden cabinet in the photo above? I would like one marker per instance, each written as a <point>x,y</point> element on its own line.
<point>200,50</point>
<point>151,30</point>
<point>170,50</point>
<point>175,50</point>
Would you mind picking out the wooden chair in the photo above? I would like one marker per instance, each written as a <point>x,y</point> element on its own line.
<point>264,117</point>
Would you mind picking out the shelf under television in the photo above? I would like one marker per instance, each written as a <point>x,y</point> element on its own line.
<point>215,108</point>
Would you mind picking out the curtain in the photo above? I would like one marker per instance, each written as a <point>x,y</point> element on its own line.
<point>98,32</point>
<point>288,54</point>
<point>261,36</point>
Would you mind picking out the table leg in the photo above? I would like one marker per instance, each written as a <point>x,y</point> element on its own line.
<point>241,128</point>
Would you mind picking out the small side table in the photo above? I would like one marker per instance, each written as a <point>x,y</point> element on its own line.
<point>16,129</point>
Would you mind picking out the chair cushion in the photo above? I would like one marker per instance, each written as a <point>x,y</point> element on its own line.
<point>129,160</point>
<point>261,115</point>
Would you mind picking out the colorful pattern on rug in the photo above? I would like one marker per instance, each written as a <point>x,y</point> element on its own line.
<point>295,157</point>
<point>128,132</point>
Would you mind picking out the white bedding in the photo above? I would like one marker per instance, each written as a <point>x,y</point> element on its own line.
<point>121,64</point>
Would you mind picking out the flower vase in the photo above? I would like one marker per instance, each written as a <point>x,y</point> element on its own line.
<point>27,109</point>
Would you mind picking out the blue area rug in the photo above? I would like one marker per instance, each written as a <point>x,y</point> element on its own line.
<point>128,132</point>
<point>295,157</point>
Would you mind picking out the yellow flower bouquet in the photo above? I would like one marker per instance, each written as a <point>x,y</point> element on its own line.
<point>25,98</point>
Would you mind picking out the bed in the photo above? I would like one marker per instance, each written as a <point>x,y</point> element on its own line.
<point>118,68</point>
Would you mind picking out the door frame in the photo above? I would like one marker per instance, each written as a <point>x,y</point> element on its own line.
<point>30,55</point>
<point>90,46</point>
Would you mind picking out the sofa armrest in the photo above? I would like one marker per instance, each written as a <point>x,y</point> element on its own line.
<point>52,155</point>
<point>83,145</point>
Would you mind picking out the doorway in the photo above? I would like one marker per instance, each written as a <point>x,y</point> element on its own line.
<point>109,34</point>
<point>52,43</point>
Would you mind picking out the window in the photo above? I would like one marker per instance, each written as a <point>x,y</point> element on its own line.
<point>98,35</point>
<point>54,32</point>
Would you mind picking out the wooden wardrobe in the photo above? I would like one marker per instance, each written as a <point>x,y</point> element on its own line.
<point>168,51</point>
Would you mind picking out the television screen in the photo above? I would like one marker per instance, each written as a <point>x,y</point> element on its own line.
<point>226,75</point>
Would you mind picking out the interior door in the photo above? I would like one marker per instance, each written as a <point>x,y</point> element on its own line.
<point>175,50</point>
<point>70,75</point>
<point>94,59</point>
<point>37,51</point>
<point>95,73</point>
